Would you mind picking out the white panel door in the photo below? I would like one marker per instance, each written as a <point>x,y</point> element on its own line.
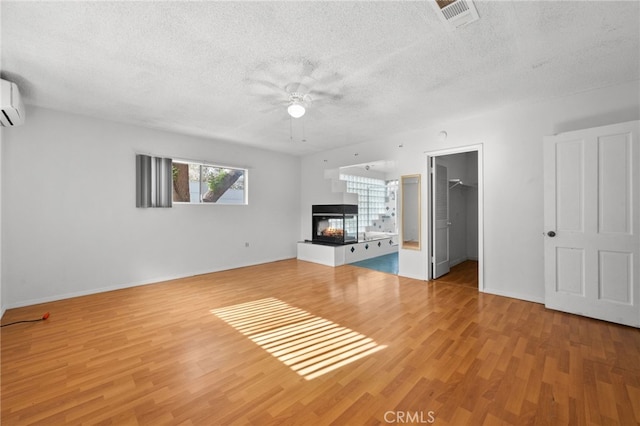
<point>592,222</point>
<point>441,222</point>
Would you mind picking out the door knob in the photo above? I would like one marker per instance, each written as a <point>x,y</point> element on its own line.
<point>551,234</point>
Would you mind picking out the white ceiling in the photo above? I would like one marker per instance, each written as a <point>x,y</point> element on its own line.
<point>219,69</point>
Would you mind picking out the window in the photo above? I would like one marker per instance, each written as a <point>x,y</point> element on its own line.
<point>371,199</point>
<point>198,183</point>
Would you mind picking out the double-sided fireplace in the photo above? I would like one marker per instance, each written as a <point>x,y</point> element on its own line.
<point>335,224</point>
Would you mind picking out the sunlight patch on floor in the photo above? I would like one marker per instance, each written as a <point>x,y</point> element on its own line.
<point>309,345</point>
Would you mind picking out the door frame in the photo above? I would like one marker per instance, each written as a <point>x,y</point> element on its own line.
<point>431,155</point>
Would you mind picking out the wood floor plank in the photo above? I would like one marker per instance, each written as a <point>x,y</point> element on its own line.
<point>159,354</point>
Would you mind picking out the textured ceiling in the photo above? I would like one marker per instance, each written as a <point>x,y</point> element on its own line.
<point>375,69</point>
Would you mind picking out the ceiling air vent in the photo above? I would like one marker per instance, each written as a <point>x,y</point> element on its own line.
<point>455,13</point>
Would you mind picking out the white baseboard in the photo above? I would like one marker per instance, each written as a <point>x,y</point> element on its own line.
<point>154,280</point>
<point>515,295</point>
<point>412,276</point>
<point>455,262</point>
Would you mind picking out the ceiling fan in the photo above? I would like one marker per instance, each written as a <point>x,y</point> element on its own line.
<point>298,103</point>
<point>293,86</point>
<point>297,98</point>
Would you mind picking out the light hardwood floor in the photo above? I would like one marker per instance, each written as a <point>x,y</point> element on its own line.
<point>157,354</point>
<point>465,273</point>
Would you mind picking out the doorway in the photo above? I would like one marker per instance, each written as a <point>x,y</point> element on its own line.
<point>454,215</point>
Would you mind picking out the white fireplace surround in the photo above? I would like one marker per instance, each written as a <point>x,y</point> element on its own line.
<point>375,245</point>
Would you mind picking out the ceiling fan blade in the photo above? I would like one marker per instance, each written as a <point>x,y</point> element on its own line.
<point>324,94</point>
<point>308,68</point>
<point>329,79</point>
<point>273,109</point>
<point>266,84</point>
<point>308,82</point>
<point>273,98</point>
<point>295,86</point>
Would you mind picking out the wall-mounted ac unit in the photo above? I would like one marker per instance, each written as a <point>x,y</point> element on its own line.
<point>455,13</point>
<point>11,108</point>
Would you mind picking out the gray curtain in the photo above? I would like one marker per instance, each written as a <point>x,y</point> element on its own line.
<point>154,181</point>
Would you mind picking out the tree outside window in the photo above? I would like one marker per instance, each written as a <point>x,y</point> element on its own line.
<point>201,183</point>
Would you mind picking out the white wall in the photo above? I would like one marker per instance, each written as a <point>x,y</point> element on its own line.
<point>79,231</point>
<point>512,165</point>
<point>359,171</point>
<point>72,237</point>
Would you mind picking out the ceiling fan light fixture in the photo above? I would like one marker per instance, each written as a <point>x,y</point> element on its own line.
<point>296,109</point>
